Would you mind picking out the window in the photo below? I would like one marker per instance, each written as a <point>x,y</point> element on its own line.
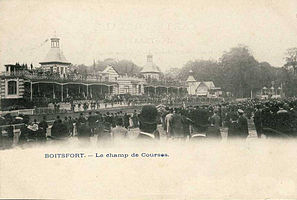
<point>12,88</point>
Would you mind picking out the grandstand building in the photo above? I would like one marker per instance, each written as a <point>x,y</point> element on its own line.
<point>54,82</point>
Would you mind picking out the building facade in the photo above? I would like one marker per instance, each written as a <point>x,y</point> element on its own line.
<point>53,81</point>
<point>202,89</point>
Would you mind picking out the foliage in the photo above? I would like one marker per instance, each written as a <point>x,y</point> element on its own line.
<point>172,73</point>
<point>122,67</point>
<point>237,71</point>
<point>291,59</point>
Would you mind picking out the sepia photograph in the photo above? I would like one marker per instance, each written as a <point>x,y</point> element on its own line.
<point>147,99</point>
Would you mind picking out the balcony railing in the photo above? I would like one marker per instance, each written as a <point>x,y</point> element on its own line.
<point>54,77</point>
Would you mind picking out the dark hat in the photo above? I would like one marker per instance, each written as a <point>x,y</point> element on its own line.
<point>148,114</point>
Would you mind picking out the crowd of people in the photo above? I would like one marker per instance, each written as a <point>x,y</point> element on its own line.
<point>273,118</point>
<point>121,100</point>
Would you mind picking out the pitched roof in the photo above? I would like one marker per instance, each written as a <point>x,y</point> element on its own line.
<point>55,55</point>
<point>150,66</point>
<point>191,79</point>
<point>209,84</point>
<point>109,68</point>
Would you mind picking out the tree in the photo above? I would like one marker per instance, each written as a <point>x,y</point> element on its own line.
<point>122,67</point>
<point>289,81</point>
<point>172,73</point>
<point>127,67</point>
<point>203,70</point>
<point>239,67</point>
<point>291,59</point>
<point>237,71</point>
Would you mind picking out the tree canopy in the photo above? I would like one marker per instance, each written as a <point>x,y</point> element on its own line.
<point>121,66</point>
<point>236,71</point>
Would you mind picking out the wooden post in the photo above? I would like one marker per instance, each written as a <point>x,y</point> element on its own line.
<point>67,94</point>
<point>54,91</point>
<point>91,93</point>
<point>87,91</point>
<point>31,91</point>
<point>62,95</point>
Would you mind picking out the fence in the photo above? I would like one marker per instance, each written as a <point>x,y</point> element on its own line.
<point>18,112</point>
<point>16,130</point>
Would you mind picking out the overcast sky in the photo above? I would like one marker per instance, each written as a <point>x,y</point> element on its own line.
<point>173,31</point>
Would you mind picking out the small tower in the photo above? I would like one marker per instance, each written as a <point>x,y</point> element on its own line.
<point>55,61</point>
<point>150,70</point>
<point>191,83</point>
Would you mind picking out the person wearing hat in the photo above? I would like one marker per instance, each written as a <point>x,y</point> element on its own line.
<point>243,124</point>
<point>126,120</point>
<point>233,126</point>
<point>178,125</point>
<point>92,122</point>
<point>135,119</point>
<point>119,132</point>
<point>168,123</point>
<point>58,130</point>
<point>215,119</point>
<point>258,120</point>
<point>283,121</point>
<point>213,131</point>
<point>43,125</point>
<point>104,130</point>
<point>83,129</point>
<point>148,119</point>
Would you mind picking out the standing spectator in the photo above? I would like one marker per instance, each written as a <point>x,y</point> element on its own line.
<point>168,123</point>
<point>177,124</point>
<point>42,126</point>
<point>215,119</point>
<point>258,121</point>
<point>148,123</point>
<point>243,124</point>
<point>233,127</point>
<point>126,120</point>
<point>119,132</point>
<point>92,123</point>
<point>70,125</point>
<point>135,119</point>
